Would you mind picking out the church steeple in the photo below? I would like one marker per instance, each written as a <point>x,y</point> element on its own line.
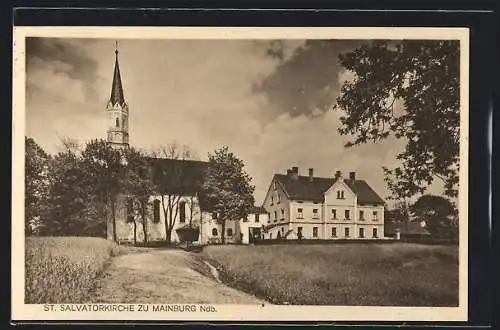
<point>117,109</point>
<point>117,89</point>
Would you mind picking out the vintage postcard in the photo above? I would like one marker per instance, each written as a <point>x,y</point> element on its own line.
<point>243,174</point>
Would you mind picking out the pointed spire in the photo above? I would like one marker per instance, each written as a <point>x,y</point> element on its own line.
<point>117,89</point>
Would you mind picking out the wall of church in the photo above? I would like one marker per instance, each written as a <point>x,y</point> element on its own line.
<point>127,215</point>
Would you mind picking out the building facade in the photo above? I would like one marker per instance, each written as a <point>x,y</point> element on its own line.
<point>244,231</point>
<point>309,207</point>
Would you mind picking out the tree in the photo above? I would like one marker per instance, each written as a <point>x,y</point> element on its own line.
<point>227,189</point>
<point>104,169</point>
<point>170,198</point>
<point>424,77</point>
<point>68,198</point>
<point>37,186</point>
<point>438,214</point>
<point>139,186</point>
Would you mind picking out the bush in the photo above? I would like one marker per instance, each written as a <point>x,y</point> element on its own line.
<point>63,269</point>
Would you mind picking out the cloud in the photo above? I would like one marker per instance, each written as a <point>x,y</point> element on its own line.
<point>308,80</point>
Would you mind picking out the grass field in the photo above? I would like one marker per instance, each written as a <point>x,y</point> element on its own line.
<point>343,274</point>
<point>63,269</point>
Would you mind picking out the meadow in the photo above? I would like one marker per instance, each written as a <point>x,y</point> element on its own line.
<point>63,269</point>
<point>401,274</point>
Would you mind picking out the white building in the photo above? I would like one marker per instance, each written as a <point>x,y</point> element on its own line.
<point>311,207</point>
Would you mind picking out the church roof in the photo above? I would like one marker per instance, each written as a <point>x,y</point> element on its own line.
<point>177,176</point>
<point>116,88</point>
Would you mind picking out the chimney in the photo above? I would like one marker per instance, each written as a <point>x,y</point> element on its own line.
<point>337,174</point>
<point>295,173</point>
<point>311,174</point>
<point>352,176</point>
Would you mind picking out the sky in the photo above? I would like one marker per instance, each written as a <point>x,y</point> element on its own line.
<point>270,101</point>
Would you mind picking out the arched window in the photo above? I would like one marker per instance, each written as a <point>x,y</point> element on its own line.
<point>123,122</point>
<point>182,211</point>
<point>214,232</point>
<point>117,122</point>
<point>156,211</point>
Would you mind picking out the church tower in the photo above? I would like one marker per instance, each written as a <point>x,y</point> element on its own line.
<point>117,108</point>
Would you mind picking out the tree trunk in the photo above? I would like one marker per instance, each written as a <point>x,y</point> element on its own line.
<point>144,223</point>
<point>113,218</point>
<point>169,236</point>
<point>223,234</point>
<point>135,232</point>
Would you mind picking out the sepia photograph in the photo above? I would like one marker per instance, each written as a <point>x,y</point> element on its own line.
<point>214,173</point>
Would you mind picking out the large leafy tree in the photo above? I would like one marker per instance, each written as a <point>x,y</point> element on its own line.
<point>438,214</point>
<point>37,185</point>
<point>227,189</point>
<point>69,199</point>
<point>105,168</point>
<point>423,77</point>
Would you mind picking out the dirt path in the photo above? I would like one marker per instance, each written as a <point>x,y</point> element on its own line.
<point>164,276</point>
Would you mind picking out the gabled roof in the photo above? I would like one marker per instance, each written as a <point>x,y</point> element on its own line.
<point>304,189</point>
<point>177,176</point>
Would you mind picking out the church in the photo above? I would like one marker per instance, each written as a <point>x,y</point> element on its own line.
<point>181,182</point>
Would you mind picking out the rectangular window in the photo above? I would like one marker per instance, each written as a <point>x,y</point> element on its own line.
<point>272,200</point>
<point>182,212</point>
<point>361,215</point>
<point>361,232</point>
<point>315,231</point>
<point>347,214</point>
<point>282,214</point>
<point>230,232</point>
<point>214,215</point>
<point>278,198</point>
<point>334,232</point>
<point>375,215</point>
<point>315,213</point>
<point>346,232</point>
<point>256,217</point>
<point>299,213</point>
<point>375,233</point>
<point>275,216</point>
<point>156,211</point>
<point>334,214</point>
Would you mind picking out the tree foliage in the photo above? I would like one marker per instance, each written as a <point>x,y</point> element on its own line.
<point>438,214</point>
<point>227,189</point>
<point>423,76</point>
<point>37,185</point>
